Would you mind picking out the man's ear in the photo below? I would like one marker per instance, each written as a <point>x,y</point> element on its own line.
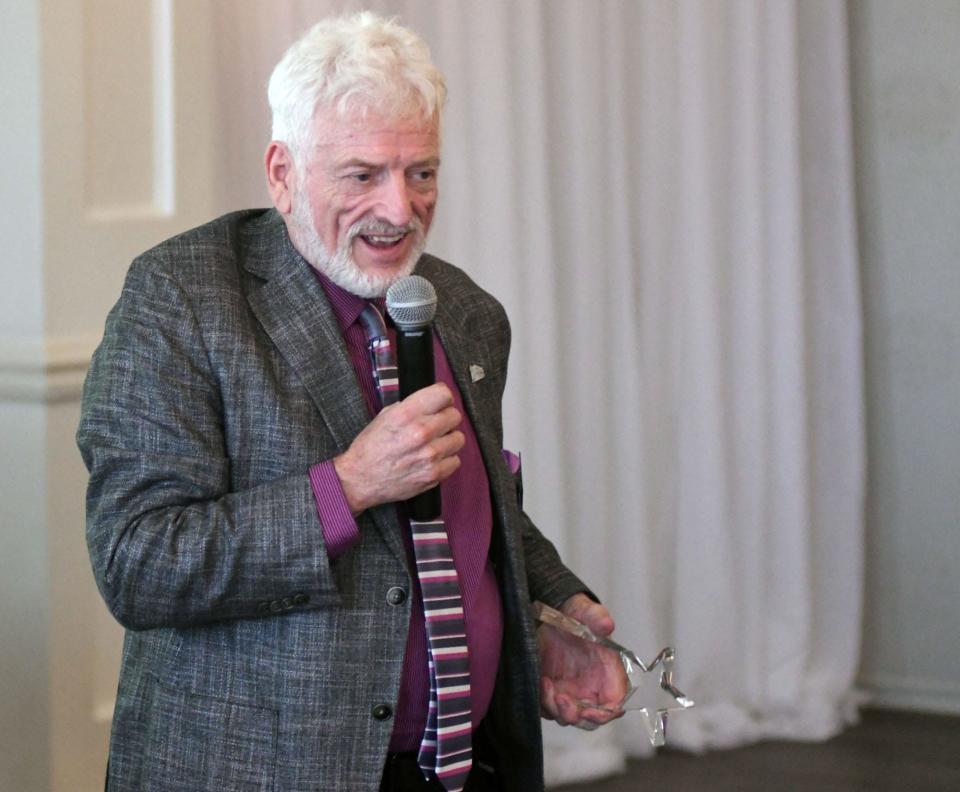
<point>281,175</point>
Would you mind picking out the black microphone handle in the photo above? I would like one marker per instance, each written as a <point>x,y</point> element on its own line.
<point>415,371</point>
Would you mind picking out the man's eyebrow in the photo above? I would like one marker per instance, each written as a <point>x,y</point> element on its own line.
<point>360,162</point>
<point>357,162</point>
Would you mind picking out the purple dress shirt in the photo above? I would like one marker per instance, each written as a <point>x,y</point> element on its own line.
<point>468,518</point>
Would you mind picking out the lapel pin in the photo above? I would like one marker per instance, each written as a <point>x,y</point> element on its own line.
<point>476,372</point>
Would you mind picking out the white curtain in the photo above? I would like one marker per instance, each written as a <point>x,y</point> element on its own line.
<point>661,194</point>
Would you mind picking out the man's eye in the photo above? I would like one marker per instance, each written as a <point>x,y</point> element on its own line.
<point>362,178</point>
<point>425,175</point>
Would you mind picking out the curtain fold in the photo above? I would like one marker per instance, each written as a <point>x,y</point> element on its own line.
<point>661,194</point>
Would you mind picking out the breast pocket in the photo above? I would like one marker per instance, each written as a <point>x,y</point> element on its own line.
<point>200,743</point>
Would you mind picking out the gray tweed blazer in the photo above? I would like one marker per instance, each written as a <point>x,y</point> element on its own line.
<point>251,661</point>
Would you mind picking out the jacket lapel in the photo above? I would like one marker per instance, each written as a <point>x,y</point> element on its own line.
<point>460,352</point>
<point>463,351</point>
<point>293,309</point>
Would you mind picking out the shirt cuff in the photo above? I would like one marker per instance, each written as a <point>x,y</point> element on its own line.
<point>340,531</point>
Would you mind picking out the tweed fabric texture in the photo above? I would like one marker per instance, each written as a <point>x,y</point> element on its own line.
<point>252,661</point>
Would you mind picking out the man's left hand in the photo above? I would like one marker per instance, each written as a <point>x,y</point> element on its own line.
<point>581,684</point>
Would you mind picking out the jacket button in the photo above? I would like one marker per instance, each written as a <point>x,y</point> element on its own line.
<point>276,606</point>
<point>396,595</point>
<point>382,711</point>
<point>263,607</point>
<point>287,603</point>
<point>300,599</point>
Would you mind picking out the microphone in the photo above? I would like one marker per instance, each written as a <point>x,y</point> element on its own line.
<point>412,304</point>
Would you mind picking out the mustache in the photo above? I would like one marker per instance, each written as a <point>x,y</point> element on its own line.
<point>383,228</point>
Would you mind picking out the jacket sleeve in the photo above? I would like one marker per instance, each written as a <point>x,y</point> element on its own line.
<point>548,578</point>
<point>170,544</point>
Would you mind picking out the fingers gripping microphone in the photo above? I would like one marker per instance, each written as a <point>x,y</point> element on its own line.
<point>412,304</point>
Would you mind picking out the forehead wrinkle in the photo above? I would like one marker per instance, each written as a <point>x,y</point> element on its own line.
<point>333,129</point>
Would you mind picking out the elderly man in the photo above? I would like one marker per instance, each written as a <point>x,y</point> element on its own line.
<point>245,516</point>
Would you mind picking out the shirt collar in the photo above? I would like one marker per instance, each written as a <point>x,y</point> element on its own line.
<point>347,307</point>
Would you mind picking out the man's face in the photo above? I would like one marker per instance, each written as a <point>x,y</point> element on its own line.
<point>365,197</point>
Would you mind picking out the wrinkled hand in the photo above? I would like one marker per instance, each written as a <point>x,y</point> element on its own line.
<point>408,448</point>
<point>581,683</point>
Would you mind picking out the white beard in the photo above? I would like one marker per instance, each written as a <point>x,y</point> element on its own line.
<point>340,266</point>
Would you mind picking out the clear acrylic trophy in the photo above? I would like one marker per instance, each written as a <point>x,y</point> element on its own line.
<point>583,668</point>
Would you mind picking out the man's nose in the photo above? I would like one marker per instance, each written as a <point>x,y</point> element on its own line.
<point>396,200</point>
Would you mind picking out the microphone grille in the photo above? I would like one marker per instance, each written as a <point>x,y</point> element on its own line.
<point>412,302</point>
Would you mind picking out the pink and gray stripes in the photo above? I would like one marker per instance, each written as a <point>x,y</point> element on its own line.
<point>446,746</point>
<point>445,750</point>
<point>384,370</point>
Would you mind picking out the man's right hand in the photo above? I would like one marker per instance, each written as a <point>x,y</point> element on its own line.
<point>408,448</point>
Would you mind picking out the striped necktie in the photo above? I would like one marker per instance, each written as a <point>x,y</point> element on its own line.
<point>445,750</point>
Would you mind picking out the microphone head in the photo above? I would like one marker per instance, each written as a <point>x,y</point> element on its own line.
<point>412,302</point>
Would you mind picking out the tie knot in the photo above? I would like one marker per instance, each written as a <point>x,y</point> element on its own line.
<point>372,320</point>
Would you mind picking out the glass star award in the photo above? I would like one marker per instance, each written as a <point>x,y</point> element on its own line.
<point>601,674</point>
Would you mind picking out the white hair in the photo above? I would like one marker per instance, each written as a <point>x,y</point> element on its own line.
<point>353,64</point>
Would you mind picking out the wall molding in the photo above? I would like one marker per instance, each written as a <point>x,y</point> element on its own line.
<point>44,371</point>
<point>913,693</point>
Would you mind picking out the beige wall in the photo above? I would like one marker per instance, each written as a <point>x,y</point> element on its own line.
<point>906,62</point>
<point>107,132</point>
<point>24,604</point>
